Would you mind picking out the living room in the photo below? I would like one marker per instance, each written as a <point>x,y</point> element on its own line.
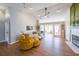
<point>37,29</point>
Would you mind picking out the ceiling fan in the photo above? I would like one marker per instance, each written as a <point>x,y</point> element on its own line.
<point>46,12</point>
<point>24,5</point>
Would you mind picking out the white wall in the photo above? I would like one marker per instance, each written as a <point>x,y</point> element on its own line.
<point>2,31</point>
<point>67,24</point>
<point>2,26</point>
<point>18,22</point>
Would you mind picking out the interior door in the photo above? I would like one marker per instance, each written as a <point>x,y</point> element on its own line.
<point>7,35</point>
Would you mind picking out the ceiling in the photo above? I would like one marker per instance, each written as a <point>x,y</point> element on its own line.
<point>37,9</point>
<point>54,10</point>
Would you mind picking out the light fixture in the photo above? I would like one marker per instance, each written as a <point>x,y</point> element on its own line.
<point>46,12</point>
<point>38,15</point>
<point>7,15</point>
<point>24,5</point>
<point>58,11</point>
<point>30,8</point>
<point>4,13</point>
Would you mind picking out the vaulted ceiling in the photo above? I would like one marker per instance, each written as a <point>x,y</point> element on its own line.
<point>37,9</point>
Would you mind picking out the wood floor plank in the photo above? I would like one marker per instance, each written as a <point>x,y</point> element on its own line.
<point>48,47</point>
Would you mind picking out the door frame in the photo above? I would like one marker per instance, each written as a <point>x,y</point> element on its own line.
<point>9,30</point>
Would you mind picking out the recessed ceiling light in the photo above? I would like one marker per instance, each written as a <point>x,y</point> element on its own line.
<point>58,11</point>
<point>38,15</point>
<point>30,8</point>
<point>45,16</point>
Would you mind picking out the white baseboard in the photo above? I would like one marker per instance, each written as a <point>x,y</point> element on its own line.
<point>13,42</point>
<point>3,41</point>
<point>73,47</point>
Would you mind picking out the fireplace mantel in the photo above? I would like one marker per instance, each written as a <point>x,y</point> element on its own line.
<point>75,31</point>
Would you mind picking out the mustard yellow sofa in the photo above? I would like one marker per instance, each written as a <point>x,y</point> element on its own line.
<point>26,42</point>
<point>36,42</point>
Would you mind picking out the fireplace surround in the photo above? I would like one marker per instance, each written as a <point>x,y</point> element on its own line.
<point>75,40</point>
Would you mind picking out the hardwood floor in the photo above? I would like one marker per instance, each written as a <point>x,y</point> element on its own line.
<point>49,47</point>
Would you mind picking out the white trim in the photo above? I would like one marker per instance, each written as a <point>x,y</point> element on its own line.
<point>3,41</point>
<point>13,42</point>
<point>73,47</point>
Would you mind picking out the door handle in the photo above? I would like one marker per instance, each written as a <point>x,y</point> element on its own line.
<point>7,32</point>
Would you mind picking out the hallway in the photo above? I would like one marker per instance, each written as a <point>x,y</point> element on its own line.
<point>50,46</point>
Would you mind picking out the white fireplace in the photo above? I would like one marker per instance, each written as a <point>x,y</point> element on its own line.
<point>75,36</point>
<point>74,40</point>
